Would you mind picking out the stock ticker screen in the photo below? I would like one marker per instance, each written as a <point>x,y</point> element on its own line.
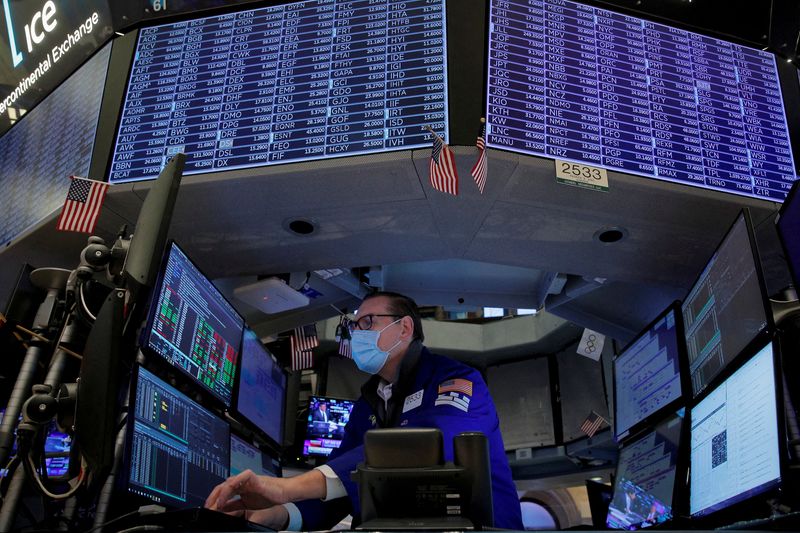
<point>295,82</point>
<point>178,451</point>
<point>193,327</point>
<point>578,83</point>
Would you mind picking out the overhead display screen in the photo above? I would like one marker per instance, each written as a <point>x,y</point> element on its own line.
<point>577,83</point>
<point>50,143</point>
<point>296,82</point>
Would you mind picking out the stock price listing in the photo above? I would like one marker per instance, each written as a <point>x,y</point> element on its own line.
<point>574,82</point>
<point>307,80</point>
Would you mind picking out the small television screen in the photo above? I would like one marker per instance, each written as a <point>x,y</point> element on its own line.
<point>177,450</point>
<point>261,397</point>
<point>789,231</point>
<point>325,428</point>
<point>245,456</point>
<point>735,449</point>
<point>56,450</point>
<point>647,474</point>
<point>647,376</point>
<point>726,309</point>
<point>193,327</point>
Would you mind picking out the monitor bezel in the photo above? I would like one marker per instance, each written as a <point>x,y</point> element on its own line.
<point>759,338</point>
<point>792,199</point>
<point>683,371</point>
<point>311,398</point>
<point>148,326</point>
<point>123,483</point>
<point>714,517</point>
<point>680,498</point>
<point>251,425</point>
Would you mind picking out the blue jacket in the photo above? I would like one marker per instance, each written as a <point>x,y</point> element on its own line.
<point>432,391</point>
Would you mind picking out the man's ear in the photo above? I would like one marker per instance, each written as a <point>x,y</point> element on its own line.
<point>408,327</point>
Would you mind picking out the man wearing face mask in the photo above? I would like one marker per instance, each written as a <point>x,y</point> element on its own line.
<point>409,387</point>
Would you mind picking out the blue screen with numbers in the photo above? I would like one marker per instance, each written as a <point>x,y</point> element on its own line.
<point>577,83</point>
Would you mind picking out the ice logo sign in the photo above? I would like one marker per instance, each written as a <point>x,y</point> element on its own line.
<point>42,22</point>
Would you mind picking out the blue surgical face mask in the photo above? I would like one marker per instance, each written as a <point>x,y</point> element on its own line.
<point>364,346</point>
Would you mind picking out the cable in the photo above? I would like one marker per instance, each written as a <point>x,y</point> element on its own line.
<point>82,298</point>
<point>35,476</point>
<point>142,511</point>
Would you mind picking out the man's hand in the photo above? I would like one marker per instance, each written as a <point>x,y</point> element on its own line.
<point>254,492</point>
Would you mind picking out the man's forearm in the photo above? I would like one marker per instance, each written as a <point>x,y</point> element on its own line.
<point>310,485</point>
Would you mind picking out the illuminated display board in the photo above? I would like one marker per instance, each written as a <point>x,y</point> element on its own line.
<point>50,143</point>
<point>574,82</point>
<point>288,83</point>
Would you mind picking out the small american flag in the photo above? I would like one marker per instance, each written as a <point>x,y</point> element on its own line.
<point>443,173</point>
<point>82,207</point>
<point>592,424</point>
<point>456,385</point>
<point>479,170</point>
<point>343,336</point>
<point>302,341</point>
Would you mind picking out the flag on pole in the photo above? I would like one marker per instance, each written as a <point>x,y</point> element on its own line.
<point>442,167</point>
<point>303,341</point>
<point>343,338</point>
<point>479,169</point>
<point>592,424</point>
<point>82,206</point>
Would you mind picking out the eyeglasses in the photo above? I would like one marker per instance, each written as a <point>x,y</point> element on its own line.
<point>365,322</point>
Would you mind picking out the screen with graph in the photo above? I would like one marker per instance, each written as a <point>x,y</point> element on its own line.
<point>647,375</point>
<point>193,327</point>
<point>177,451</point>
<point>735,447</point>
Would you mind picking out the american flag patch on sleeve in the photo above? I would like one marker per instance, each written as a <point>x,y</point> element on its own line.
<point>456,385</point>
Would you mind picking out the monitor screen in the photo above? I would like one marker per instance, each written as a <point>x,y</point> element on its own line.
<point>647,472</point>
<point>177,450</point>
<point>735,451</point>
<point>582,84</point>
<point>56,449</point>
<point>47,145</point>
<point>726,308</point>
<point>294,82</point>
<point>193,327</point>
<point>647,375</point>
<point>325,429</point>
<point>789,231</point>
<point>261,397</point>
<point>245,456</point>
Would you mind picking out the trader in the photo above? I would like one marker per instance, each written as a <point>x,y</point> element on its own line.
<point>410,387</point>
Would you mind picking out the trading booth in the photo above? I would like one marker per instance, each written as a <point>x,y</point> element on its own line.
<point>594,203</point>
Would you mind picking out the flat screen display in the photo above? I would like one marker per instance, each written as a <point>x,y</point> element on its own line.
<point>789,231</point>
<point>245,456</point>
<point>178,451</point>
<point>735,452</point>
<point>647,375</point>
<point>646,475</point>
<point>193,327</point>
<point>261,398</point>
<point>582,84</point>
<point>47,145</point>
<point>294,82</point>
<point>725,309</point>
<point>327,418</point>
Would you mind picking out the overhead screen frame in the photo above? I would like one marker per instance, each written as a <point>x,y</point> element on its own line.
<point>683,26</point>
<point>235,407</point>
<point>713,516</point>
<point>682,360</point>
<point>680,499</point>
<point>161,360</point>
<point>234,9</point>
<point>769,327</point>
<point>122,482</point>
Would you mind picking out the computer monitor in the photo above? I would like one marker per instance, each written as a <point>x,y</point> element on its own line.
<point>735,438</point>
<point>261,393</point>
<point>648,477</point>
<point>788,225</point>
<point>245,456</point>
<point>726,309</point>
<point>57,447</point>
<point>325,428</point>
<point>192,326</point>
<point>647,373</point>
<point>177,451</point>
